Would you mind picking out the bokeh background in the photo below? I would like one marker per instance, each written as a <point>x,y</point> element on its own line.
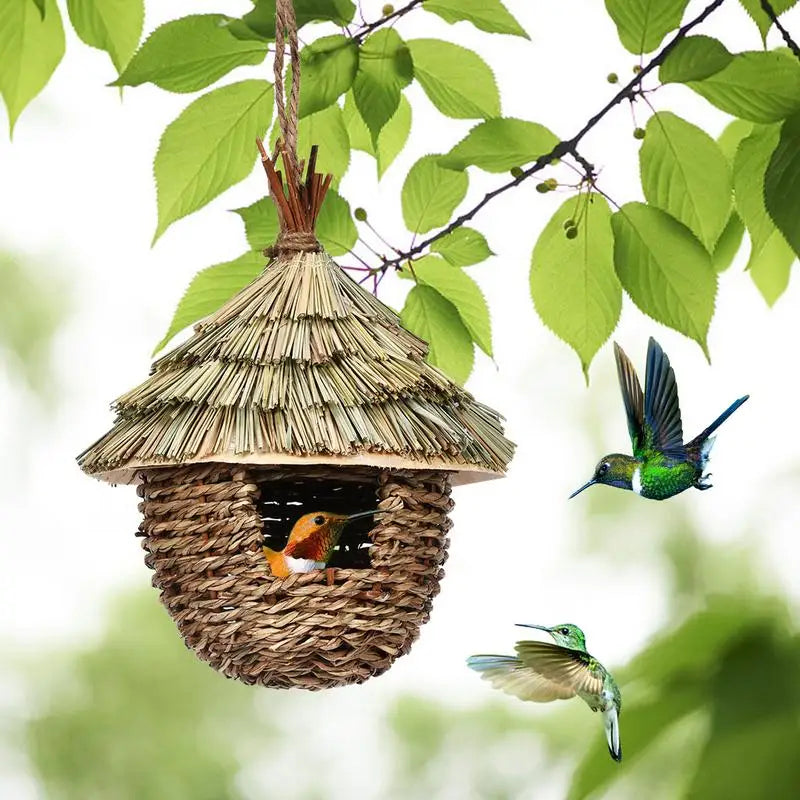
<point>693,603</point>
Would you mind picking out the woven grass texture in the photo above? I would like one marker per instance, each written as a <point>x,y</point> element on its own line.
<point>203,529</point>
<point>301,362</point>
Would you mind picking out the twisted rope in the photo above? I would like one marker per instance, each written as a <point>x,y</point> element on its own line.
<point>286,26</point>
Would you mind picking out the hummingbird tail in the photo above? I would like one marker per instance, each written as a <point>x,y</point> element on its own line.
<point>611,720</point>
<point>695,447</point>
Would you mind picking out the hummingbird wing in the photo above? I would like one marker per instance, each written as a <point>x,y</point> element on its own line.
<point>632,397</point>
<point>662,411</point>
<point>573,670</point>
<point>511,676</point>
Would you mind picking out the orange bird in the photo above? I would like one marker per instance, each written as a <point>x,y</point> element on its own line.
<point>310,543</point>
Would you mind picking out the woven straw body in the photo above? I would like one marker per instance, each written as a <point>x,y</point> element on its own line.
<point>203,533</point>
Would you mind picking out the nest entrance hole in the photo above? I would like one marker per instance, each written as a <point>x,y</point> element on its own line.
<point>284,500</point>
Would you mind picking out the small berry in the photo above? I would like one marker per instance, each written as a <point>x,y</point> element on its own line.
<point>542,187</point>
<point>571,233</point>
<point>569,223</point>
<point>360,214</point>
<point>552,183</point>
<point>637,68</point>
<point>387,9</point>
<point>612,77</point>
<point>516,172</point>
<point>638,133</point>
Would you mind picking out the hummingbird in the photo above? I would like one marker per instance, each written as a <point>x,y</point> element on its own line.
<point>311,542</point>
<point>543,672</point>
<point>661,465</point>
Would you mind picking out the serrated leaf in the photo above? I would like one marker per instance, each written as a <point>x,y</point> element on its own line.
<point>457,80</point>
<point>335,227</point>
<point>642,24</point>
<point>435,319</point>
<point>384,70</point>
<point>732,136</point>
<point>758,86</point>
<point>782,183</point>
<point>749,169</point>
<point>761,18</point>
<point>685,173</point>
<point>486,15</point>
<point>327,129</point>
<point>261,223</point>
<point>462,247</point>
<point>31,47</point>
<point>771,266</point>
<point>497,145</point>
<point>664,269</point>
<point>457,287</point>
<point>430,194</point>
<point>210,288</point>
<point>111,25</point>
<point>574,287</point>
<point>209,147</point>
<point>391,139</point>
<point>261,20</point>
<point>728,244</point>
<point>188,54</point>
<point>327,67</point>
<point>693,59</point>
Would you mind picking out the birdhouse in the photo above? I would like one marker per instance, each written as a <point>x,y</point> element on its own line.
<point>302,393</point>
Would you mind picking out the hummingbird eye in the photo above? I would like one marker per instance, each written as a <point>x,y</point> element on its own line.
<point>603,468</point>
<point>565,631</point>
<point>319,520</point>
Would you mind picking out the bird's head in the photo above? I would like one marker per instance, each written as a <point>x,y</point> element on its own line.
<point>565,634</point>
<point>614,469</point>
<point>315,535</point>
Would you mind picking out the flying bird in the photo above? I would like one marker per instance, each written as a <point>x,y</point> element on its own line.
<point>543,672</point>
<point>661,465</point>
<point>311,542</point>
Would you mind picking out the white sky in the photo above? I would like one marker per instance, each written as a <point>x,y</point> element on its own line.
<point>78,197</point>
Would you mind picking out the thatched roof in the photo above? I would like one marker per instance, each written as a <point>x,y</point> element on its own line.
<point>301,366</point>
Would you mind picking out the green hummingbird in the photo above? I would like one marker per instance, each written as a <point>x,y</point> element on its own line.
<point>661,465</point>
<point>543,672</point>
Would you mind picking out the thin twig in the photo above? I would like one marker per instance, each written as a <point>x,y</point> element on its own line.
<point>770,12</point>
<point>362,33</point>
<point>563,148</point>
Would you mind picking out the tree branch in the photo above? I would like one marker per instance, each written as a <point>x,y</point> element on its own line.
<point>363,32</point>
<point>770,12</point>
<point>567,147</point>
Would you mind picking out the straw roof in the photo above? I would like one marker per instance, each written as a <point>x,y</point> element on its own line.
<point>303,366</point>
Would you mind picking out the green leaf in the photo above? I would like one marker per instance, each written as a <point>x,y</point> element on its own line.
<point>190,53</point>
<point>261,224</point>
<point>457,287</point>
<point>327,129</point>
<point>210,288</point>
<point>728,244</point>
<point>762,87</point>
<point>685,173</point>
<point>760,17</point>
<point>782,183</point>
<point>457,81</point>
<point>327,69</point>
<point>487,15</point>
<point>435,319</point>
<point>573,283</point>
<point>209,147</point>
<point>462,247</point>
<point>40,4</point>
<point>31,47</point>
<point>111,25</point>
<point>335,227</point>
<point>430,194</point>
<point>497,145</point>
<point>261,20</point>
<point>770,267</point>
<point>693,59</point>
<point>391,139</point>
<point>664,269</point>
<point>384,70</point>
<point>749,169</point>
<point>642,24</point>
<point>732,136</point>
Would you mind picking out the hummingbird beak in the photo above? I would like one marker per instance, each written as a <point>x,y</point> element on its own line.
<point>538,627</point>
<point>361,514</point>
<point>585,486</point>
